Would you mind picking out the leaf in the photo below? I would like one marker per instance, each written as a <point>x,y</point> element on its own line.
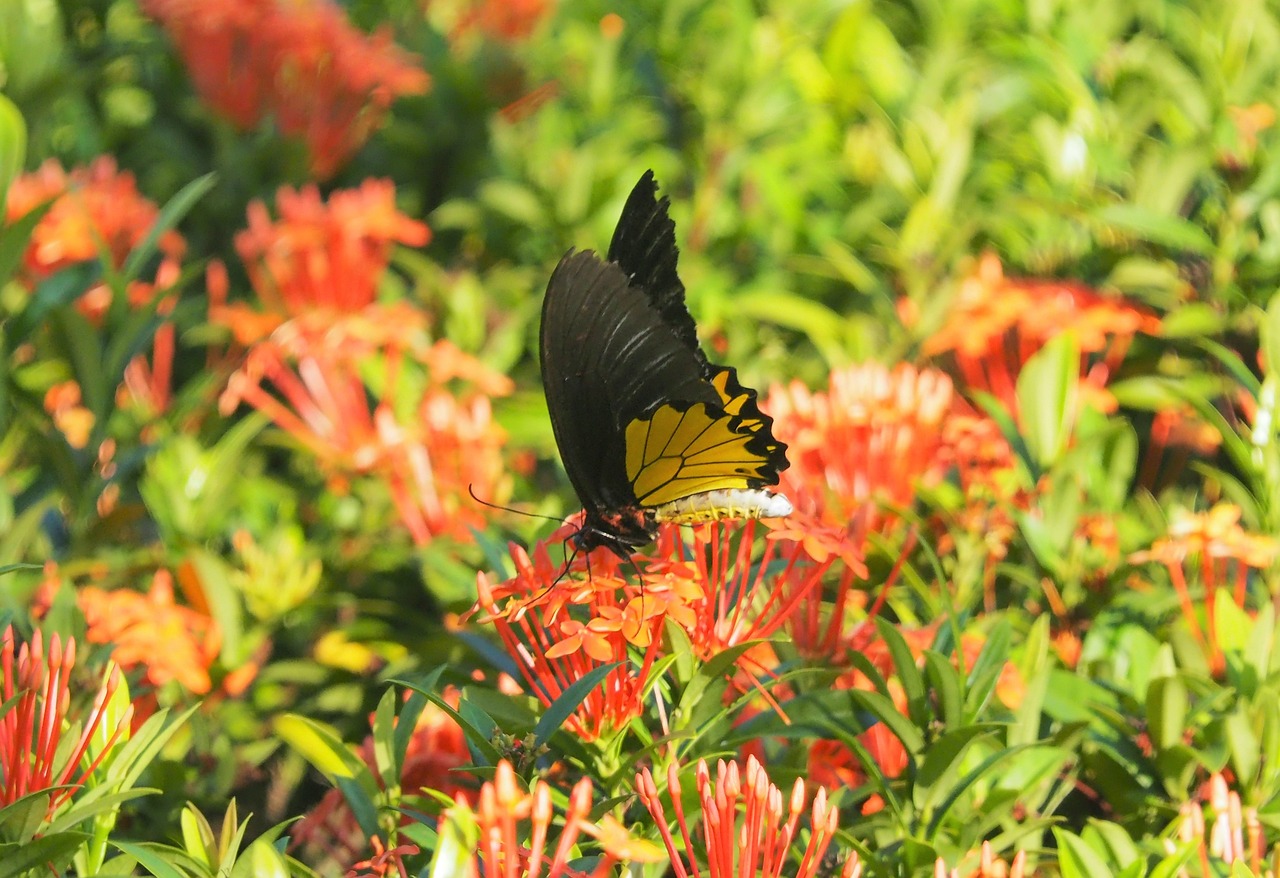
<point>1148,225</point>
<point>384,726</point>
<point>1268,335</point>
<point>149,858</point>
<point>170,215</point>
<point>319,745</point>
<point>260,860</point>
<point>478,740</point>
<point>945,681</point>
<point>13,148</point>
<point>941,763</point>
<point>14,238</point>
<point>1167,703</point>
<point>559,711</point>
<point>50,852</point>
<point>884,710</point>
<point>1076,859</point>
<point>904,663</point>
<point>1048,393</point>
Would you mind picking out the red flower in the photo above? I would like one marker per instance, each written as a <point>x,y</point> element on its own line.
<point>151,631</point>
<point>97,208</point>
<point>1213,549</point>
<point>300,62</point>
<point>559,631</point>
<point>34,755</point>
<point>746,829</point>
<point>325,256</point>
<point>506,849</point>
<point>998,323</point>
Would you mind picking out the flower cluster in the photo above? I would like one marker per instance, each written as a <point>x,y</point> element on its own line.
<point>997,323</point>
<point>747,826</point>
<point>41,747</point>
<point>355,380</point>
<point>301,63</point>
<point>505,847</point>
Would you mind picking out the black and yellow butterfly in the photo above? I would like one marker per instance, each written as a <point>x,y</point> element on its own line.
<point>648,430</point>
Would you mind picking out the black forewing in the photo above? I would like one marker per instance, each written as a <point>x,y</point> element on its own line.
<point>608,357</point>
<point>644,245</point>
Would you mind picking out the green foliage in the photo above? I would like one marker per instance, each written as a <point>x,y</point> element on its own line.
<point>836,172</point>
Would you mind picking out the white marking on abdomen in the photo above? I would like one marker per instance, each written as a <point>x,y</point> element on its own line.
<point>718,505</point>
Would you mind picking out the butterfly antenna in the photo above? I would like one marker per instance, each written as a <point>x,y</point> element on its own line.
<point>471,490</point>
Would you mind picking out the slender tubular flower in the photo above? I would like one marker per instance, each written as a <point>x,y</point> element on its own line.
<point>1213,550</point>
<point>301,63</point>
<point>355,380</point>
<point>559,631</point>
<point>997,323</point>
<point>859,451</point>
<point>506,849</point>
<point>36,753</point>
<point>746,826</point>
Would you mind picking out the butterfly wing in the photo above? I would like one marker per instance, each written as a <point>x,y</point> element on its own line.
<point>607,359</point>
<point>642,419</point>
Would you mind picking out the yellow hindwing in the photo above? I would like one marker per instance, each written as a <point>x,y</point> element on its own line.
<point>676,453</point>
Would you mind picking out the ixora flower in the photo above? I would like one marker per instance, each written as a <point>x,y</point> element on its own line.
<point>1210,548</point>
<point>43,746</point>
<point>300,62</point>
<point>998,322</point>
<point>748,827</point>
<point>721,587</point>
<point>511,833</point>
<point>356,381</point>
<point>96,208</point>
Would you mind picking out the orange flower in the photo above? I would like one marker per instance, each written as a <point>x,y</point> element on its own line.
<point>34,756</point>
<point>169,642</point>
<point>506,850</point>
<point>864,444</point>
<point>534,613</point>
<point>504,20</point>
<point>1221,827</point>
<point>428,453</point>
<point>325,256</point>
<point>74,421</point>
<point>1214,546</point>
<point>747,826</point>
<point>997,323</point>
<point>96,207</point>
<point>300,62</point>
<point>989,865</point>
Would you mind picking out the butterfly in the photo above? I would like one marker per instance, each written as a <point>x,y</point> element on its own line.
<point>648,429</point>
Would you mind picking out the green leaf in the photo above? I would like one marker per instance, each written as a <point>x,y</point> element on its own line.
<point>260,860</point>
<point>1076,859</point>
<point>1148,225</point>
<point>319,745</point>
<point>477,739</point>
<point>149,858</point>
<point>50,852</point>
<point>1243,744</point>
<point>945,681</point>
<point>1167,703</point>
<point>1048,398</point>
<point>13,148</point>
<point>884,710</point>
<point>170,215</point>
<point>904,663</point>
<point>559,711</point>
<point>941,764</point>
<point>384,726</point>
<point>1268,336</point>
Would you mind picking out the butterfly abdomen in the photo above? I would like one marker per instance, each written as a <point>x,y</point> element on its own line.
<point>718,505</point>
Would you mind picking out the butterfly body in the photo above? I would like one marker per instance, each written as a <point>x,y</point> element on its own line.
<point>648,429</point>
